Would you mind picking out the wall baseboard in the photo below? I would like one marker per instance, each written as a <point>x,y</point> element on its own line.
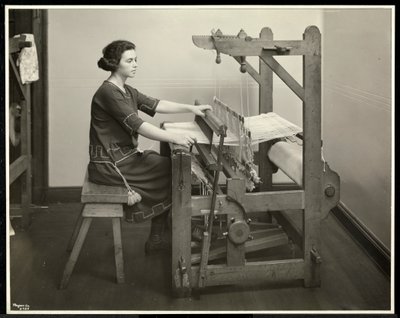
<point>63,194</point>
<point>362,235</point>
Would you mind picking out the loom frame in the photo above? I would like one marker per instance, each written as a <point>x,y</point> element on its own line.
<point>312,198</point>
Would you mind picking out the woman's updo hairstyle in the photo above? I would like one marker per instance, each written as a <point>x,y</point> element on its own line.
<point>112,54</point>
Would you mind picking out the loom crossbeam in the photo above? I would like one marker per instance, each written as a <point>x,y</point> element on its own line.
<point>233,46</point>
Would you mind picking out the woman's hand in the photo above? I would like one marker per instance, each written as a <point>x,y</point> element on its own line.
<point>183,140</point>
<point>152,132</point>
<point>199,110</point>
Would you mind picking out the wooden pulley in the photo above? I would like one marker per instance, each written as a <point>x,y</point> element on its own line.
<point>15,124</point>
<point>238,231</point>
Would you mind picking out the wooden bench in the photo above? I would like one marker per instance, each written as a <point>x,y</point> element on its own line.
<point>99,201</point>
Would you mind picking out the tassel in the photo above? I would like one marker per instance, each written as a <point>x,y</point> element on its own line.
<point>133,197</point>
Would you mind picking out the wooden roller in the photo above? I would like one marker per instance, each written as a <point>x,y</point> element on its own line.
<point>289,158</point>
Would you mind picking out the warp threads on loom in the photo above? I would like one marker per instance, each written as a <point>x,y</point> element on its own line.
<point>240,156</point>
<point>243,133</point>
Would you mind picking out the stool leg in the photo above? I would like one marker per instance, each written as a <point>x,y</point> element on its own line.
<point>75,252</point>
<point>119,259</point>
<point>78,224</point>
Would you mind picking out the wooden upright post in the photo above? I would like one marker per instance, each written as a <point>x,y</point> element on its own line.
<point>266,102</point>
<point>235,253</point>
<point>312,164</point>
<point>26,177</point>
<point>265,106</point>
<point>40,114</point>
<point>165,150</point>
<point>181,222</point>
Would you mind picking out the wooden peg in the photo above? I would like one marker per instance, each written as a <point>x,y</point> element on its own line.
<point>282,49</point>
<point>242,34</point>
<point>218,58</point>
<point>218,33</point>
<point>243,67</point>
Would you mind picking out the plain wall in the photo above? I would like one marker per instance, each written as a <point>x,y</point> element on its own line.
<point>170,67</point>
<point>356,84</point>
<point>357,111</point>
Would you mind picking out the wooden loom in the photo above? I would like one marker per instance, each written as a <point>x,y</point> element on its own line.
<point>318,190</point>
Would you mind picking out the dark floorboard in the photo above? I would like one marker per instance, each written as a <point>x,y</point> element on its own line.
<point>350,280</point>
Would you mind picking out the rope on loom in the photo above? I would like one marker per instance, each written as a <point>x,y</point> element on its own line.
<point>253,173</point>
<point>241,132</point>
<point>245,134</point>
<point>241,95</point>
<point>217,86</point>
<point>235,124</point>
<point>247,95</point>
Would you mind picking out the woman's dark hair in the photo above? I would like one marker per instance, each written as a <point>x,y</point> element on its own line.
<point>112,54</point>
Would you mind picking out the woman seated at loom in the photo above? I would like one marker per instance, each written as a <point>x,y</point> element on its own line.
<point>114,155</point>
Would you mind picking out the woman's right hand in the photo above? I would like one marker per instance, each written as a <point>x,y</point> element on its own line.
<point>183,140</point>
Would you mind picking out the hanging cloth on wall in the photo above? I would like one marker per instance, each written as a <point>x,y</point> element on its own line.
<point>27,61</point>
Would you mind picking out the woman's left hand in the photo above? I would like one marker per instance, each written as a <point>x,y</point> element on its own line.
<point>199,110</point>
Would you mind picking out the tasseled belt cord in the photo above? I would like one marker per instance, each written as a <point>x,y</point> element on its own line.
<point>133,196</point>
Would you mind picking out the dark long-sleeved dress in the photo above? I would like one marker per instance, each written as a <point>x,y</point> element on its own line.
<point>113,149</point>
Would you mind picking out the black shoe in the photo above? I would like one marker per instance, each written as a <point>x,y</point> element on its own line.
<point>155,243</point>
<point>129,212</point>
<point>128,217</point>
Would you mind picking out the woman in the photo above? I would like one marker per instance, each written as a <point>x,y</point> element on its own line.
<point>114,130</point>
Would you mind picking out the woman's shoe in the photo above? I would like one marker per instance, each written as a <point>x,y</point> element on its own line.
<point>157,239</point>
<point>156,243</point>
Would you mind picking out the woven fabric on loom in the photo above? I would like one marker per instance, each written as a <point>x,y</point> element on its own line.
<point>263,127</point>
<point>269,126</point>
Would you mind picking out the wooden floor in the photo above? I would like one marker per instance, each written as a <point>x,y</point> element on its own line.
<point>350,280</point>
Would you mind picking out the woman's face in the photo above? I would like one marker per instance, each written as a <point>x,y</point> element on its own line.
<point>128,64</point>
